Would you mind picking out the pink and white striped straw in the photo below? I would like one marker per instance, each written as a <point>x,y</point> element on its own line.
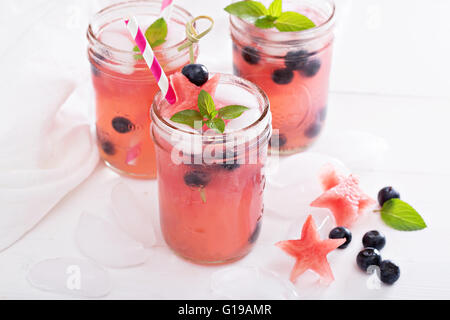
<point>150,59</point>
<point>166,9</point>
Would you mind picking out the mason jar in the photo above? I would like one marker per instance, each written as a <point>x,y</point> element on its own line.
<point>293,69</point>
<point>211,184</point>
<point>124,85</point>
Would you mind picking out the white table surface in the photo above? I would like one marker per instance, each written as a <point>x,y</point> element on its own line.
<point>389,80</point>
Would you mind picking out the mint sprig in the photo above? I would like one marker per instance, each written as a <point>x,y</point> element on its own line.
<point>273,17</point>
<point>155,34</point>
<point>401,216</point>
<point>207,114</point>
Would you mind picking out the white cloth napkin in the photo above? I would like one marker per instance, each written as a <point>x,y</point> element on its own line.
<point>46,144</point>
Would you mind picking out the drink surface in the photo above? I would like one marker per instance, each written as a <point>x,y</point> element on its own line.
<point>124,89</point>
<point>295,78</point>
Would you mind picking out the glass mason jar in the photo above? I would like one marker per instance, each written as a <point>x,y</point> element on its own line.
<point>211,185</point>
<point>124,85</point>
<point>292,68</point>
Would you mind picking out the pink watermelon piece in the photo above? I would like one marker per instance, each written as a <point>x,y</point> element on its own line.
<point>187,93</point>
<point>345,199</point>
<point>329,177</point>
<point>311,252</point>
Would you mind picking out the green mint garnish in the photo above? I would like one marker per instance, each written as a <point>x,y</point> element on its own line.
<point>155,34</point>
<point>401,216</point>
<point>274,17</point>
<point>208,114</point>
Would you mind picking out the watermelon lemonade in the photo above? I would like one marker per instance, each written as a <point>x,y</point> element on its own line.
<point>125,87</point>
<point>292,68</point>
<point>211,183</point>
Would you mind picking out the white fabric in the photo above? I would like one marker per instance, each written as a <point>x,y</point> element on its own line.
<point>46,145</point>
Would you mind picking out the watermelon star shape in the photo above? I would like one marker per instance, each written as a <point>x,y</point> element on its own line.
<point>187,93</point>
<point>311,252</point>
<point>343,197</point>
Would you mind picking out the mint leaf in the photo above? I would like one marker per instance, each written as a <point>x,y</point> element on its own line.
<point>293,21</point>
<point>265,22</point>
<point>156,34</point>
<point>247,9</point>
<point>231,112</point>
<point>188,117</point>
<point>217,124</point>
<point>275,8</point>
<point>206,104</point>
<point>401,216</point>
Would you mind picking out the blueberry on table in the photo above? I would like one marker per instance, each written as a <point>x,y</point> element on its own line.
<point>374,239</point>
<point>389,272</point>
<point>196,73</point>
<point>122,125</point>
<point>282,76</point>
<point>251,55</point>
<point>311,68</point>
<point>197,178</point>
<point>295,60</point>
<point>387,193</point>
<point>341,233</point>
<point>368,257</point>
<point>108,147</point>
<point>277,141</point>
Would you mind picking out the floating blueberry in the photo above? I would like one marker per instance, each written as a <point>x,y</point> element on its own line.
<point>314,129</point>
<point>197,178</point>
<point>295,60</point>
<point>311,68</point>
<point>340,233</point>
<point>277,141</point>
<point>282,76</point>
<point>108,147</point>
<point>322,114</point>
<point>374,239</point>
<point>255,234</point>
<point>251,55</point>
<point>387,193</point>
<point>196,73</point>
<point>122,125</point>
<point>94,70</point>
<point>235,47</point>
<point>368,257</point>
<point>389,272</point>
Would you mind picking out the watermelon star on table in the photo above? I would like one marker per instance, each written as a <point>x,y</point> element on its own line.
<point>311,252</point>
<point>343,197</point>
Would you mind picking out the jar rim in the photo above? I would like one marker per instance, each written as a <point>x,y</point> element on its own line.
<point>292,36</point>
<point>224,79</point>
<point>93,38</point>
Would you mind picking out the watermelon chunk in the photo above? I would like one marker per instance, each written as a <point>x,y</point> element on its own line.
<point>329,177</point>
<point>311,252</point>
<point>187,93</point>
<point>343,197</point>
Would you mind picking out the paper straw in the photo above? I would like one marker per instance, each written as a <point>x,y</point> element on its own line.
<point>150,59</point>
<point>166,9</point>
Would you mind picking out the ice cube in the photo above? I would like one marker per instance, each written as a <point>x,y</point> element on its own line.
<point>131,216</point>
<point>107,244</point>
<point>72,276</point>
<point>250,282</point>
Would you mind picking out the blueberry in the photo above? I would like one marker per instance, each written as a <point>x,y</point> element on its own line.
<point>322,114</point>
<point>108,147</point>
<point>230,161</point>
<point>196,73</point>
<point>368,257</point>
<point>387,193</point>
<point>389,272</point>
<point>236,71</point>
<point>374,239</point>
<point>339,233</point>
<point>235,47</point>
<point>277,141</point>
<point>255,234</point>
<point>251,55</point>
<point>282,76</point>
<point>95,70</point>
<point>295,60</point>
<point>311,68</point>
<point>122,125</point>
<point>197,178</point>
